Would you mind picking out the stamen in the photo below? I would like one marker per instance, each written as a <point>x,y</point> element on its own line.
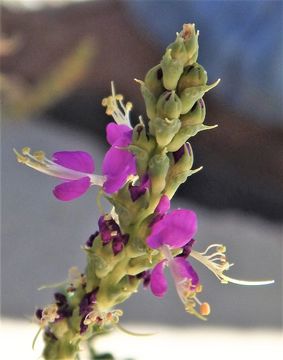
<point>49,314</point>
<point>116,108</point>
<point>39,162</point>
<point>217,263</point>
<point>185,289</point>
<point>100,318</point>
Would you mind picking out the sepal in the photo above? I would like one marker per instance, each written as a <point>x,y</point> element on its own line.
<point>164,130</point>
<point>172,70</point>
<point>169,105</point>
<point>192,94</point>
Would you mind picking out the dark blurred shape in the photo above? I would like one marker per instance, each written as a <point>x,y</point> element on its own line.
<point>23,100</point>
<point>243,161</point>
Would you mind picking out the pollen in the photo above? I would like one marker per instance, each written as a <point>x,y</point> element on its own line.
<point>204,309</point>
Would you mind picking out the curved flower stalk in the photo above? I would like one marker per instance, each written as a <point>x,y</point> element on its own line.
<point>141,236</point>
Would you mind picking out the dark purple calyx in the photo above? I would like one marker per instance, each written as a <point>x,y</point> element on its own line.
<point>64,310</point>
<point>186,249</point>
<point>60,299</point>
<point>108,228</point>
<point>119,242</point>
<point>86,305</point>
<point>145,275</point>
<point>90,240</point>
<point>87,302</point>
<point>38,313</point>
<point>136,191</point>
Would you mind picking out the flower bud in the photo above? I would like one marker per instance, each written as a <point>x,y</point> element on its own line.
<point>185,133</point>
<point>193,75</point>
<point>172,70</point>
<point>142,147</point>
<point>158,168</point>
<point>169,105</point>
<point>164,130</point>
<point>190,95</point>
<point>195,116</point>
<point>149,99</point>
<point>153,80</point>
<point>179,170</point>
<point>190,37</point>
<point>185,47</point>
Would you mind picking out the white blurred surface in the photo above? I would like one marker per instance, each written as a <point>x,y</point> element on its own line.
<point>169,343</point>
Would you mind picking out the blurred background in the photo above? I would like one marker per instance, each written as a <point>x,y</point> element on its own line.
<point>57,61</point>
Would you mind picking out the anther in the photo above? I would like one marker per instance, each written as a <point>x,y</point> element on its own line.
<point>39,155</point>
<point>204,309</point>
<point>26,150</point>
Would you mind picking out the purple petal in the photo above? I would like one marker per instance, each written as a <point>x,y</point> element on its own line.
<point>174,229</point>
<point>71,190</point>
<point>117,166</point>
<point>182,269</point>
<point>163,205</point>
<point>75,160</point>
<point>158,282</point>
<point>119,135</point>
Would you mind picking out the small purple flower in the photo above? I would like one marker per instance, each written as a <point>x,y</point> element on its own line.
<point>108,228</point>
<point>86,306</point>
<point>118,164</point>
<point>173,231</point>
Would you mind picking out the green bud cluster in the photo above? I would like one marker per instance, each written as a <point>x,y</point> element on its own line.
<point>172,92</point>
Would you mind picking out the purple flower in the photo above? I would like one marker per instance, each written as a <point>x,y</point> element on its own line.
<point>118,164</point>
<point>111,232</point>
<point>174,229</point>
<point>108,228</point>
<point>86,306</point>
